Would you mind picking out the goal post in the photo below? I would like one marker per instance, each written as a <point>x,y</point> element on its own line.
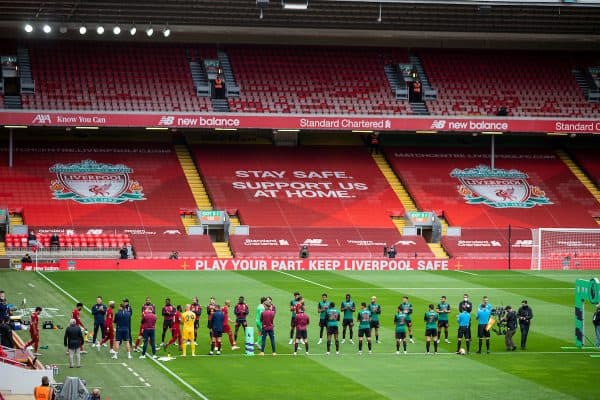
<point>565,248</point>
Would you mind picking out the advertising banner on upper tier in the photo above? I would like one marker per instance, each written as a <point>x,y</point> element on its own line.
<point>303,122</point>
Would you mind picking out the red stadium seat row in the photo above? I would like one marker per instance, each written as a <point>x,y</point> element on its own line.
<point>77,240</point>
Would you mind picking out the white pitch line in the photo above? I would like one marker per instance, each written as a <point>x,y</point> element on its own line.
<point>141,379</point>
<point>466,272</point>
<point>63,291</point>
<point>108,363</point>
<point>178,378</point>
<point>31,284</point>
<point>135,374</point>
<point>305,280</point>
<point>136,386</point>
<point>169,371</point>
<point>455,288</point>
<point>130,369</point>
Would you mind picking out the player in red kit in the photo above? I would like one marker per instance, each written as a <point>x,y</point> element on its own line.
<point>196,308</point>
<point>109,328</point>
<point>301,322</point>
<point>146,307</point>
<point>241,312</point>
<point>76,315</point>
<point>176,329</point>
<point>226,326</point>
<point>34,330</point>
<point>168,312</point>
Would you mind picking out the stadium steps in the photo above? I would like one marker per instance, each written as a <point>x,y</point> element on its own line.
<point>15,219</point>
<point>189,220</point>
<point>578,172</point>
<point>444,224</point>
<point>438,251</point>
<point>233,89</point>
<point>193,178</point>
<point>407,202</point>
<point>234,220</point>
<point>2,249</point>
<point>598,221</point>
<point>222,249</point>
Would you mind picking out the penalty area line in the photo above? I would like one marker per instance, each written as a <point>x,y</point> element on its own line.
<point>169,371</point>
<point>306,280</point>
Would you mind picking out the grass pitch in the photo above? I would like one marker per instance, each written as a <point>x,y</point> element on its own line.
<point>544,371</point>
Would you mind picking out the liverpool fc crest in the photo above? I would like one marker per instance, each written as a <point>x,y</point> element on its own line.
<point>89,182</point>
<point>498,188</point>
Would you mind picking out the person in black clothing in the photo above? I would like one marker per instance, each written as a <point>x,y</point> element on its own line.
<point>123,253</point>
<point>525,314</point>
<point>26,259</point>
<point>511,327</point>
<point>465,305</point>
<point>72,341</point>
<point>596,322</point>
<point>4,310</point>
<point>392,252</point>
<point>6,336</point>
<point>54,241</point>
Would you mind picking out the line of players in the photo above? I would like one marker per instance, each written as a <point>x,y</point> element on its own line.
<point>116,328</point>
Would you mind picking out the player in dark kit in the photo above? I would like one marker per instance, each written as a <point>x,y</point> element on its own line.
<point>196,308</point>
<point>364,326</point>
<point>217,323</point>
<point>168,313</point>
<point>375,312</point>
<point>400,323</point>
<point>443,310</point>
<point>210,309</point>
<point>301,321</point>
<point>333,317</point>
<point>293,303</point>
<point>431,319</point>
<point>241,312</point>
<point>348,307</point>
<point>322,310</point>
<point>407,308</point>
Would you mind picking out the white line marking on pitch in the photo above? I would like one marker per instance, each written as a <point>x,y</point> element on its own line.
<point>169,371</point>
<point>466,272</point>
<point>31,284</point>
<point>454,288</point>
<point>136,386</point>
<point>306,280</point>
<point>135,373</point>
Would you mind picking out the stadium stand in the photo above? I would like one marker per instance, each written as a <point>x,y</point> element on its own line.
<point>489,243</point>
<point>314,80</point>
<point>427,175</point>
<point>309,194</point>
<point>589,161</point>
<point>327,242</point>
<point>31,187</point>
<point>113,76</point>
<point>476,82</point>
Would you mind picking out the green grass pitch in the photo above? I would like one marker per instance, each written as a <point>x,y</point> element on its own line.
<point>544,371</point>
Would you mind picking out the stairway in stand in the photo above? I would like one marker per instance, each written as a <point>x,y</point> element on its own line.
<point>200,196</point>
<point>394,182</point>
<point>438,251</point>
<point>576,170</point>
<point>2,249</point>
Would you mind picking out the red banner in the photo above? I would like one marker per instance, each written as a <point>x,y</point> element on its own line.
<point>281,264</point>
<point>305,122</point>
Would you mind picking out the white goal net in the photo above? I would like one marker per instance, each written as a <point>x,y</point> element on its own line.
<point>557,248</point>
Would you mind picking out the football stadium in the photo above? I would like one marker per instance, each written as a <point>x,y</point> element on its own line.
<point>300,199</point>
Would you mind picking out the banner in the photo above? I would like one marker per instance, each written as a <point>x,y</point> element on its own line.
<point>282,264</point>
<point>307,122</point>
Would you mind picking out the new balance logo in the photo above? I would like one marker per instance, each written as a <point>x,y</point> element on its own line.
<point>166,120</point>
<point>42,119</point>
<point>438,124</point>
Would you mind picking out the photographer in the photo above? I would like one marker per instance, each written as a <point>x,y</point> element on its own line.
<point>510,319</point>
<point>596,321</point>
<point>525,314</point>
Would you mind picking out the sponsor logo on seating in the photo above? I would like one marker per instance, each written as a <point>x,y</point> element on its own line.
<point>523,243</point>
<point>90,182</point>
<point>266,242</point>
<point>95,231</point>
<point>498,188</point>
<point>479,243</point>
<point>172,232</point>
<point>314,243</point>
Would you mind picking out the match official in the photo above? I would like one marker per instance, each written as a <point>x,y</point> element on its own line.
<point>525,314</point>
<point>484,312</point>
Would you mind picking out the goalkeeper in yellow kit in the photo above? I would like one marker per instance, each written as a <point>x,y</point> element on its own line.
<point>188,318</point>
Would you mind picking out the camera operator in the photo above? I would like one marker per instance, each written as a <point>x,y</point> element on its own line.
<point>525,314</point>
<point>510,319</point>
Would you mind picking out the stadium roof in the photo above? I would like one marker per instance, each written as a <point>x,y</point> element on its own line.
<point>368,19</point>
